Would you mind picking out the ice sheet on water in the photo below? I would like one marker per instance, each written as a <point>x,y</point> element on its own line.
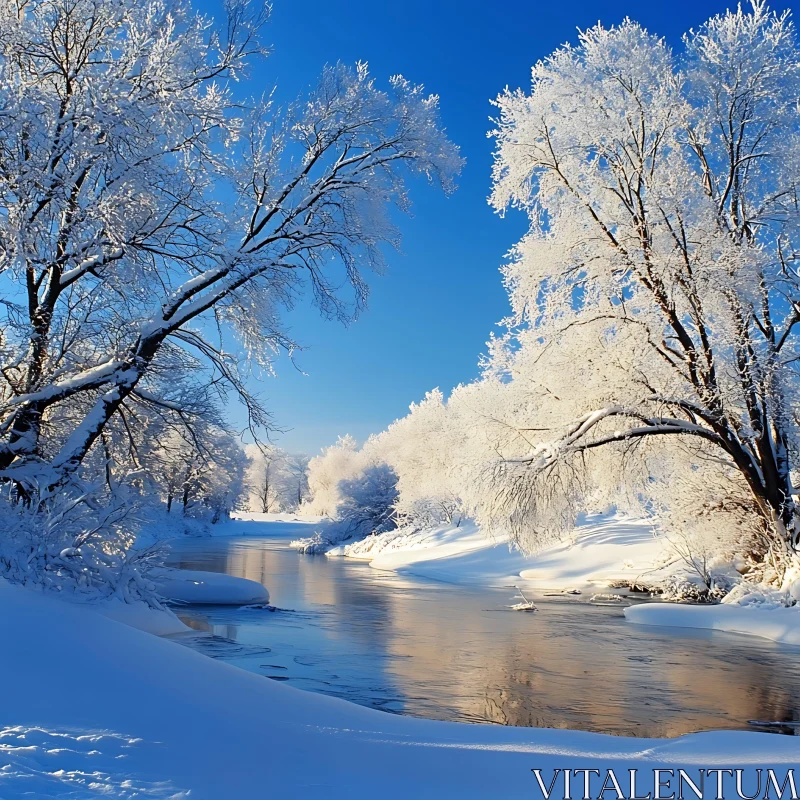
<point>219,646</point>
<point>266,607</point>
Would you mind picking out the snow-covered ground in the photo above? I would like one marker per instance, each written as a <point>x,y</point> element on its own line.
<point>779,624</point>
<point>93,708</point>
<point>136,615</point>
<point>603,550</point>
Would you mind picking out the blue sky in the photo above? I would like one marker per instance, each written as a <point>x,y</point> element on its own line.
<point>431,314</point>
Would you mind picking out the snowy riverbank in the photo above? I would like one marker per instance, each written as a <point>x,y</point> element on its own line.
<point>163,527</point>
<point>604,550</point>
<point>778,624</point>
<point>182,725</point>
<point>175,586</point>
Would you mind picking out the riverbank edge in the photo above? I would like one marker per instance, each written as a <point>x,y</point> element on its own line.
<point>611,551</point>
<point>604,551</point>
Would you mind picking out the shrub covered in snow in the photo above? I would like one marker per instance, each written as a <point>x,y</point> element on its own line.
<point>681,589</point>
<point>73,543</point>
<point>365,505</point>
<point>368,502</point>
<point>765,595</point>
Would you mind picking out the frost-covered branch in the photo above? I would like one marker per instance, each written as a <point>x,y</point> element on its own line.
<point>118,137</point>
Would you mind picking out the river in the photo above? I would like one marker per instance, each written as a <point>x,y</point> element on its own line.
<point>436,650</point>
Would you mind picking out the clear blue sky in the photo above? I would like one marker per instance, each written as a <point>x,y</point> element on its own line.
<point>431,314</point>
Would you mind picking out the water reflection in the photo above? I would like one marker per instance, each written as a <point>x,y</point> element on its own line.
<point>446,652</point>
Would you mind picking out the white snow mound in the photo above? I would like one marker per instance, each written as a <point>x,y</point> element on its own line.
<point>208,588</point>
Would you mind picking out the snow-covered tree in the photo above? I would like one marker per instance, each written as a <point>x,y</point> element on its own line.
<point>423,449</point>
<point>436,456</point>
<point>153,228</point>
<point>297,479</point>
<point>651,357</point>
<point>354,489</point>
<point>141,210</point>
<point>656,295</point>
<point>368,502</point>
<point>220,487</point>
<point>339,462</point>
<point>264,478</point>
<point>276,480</point>
<point>201,469</point>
